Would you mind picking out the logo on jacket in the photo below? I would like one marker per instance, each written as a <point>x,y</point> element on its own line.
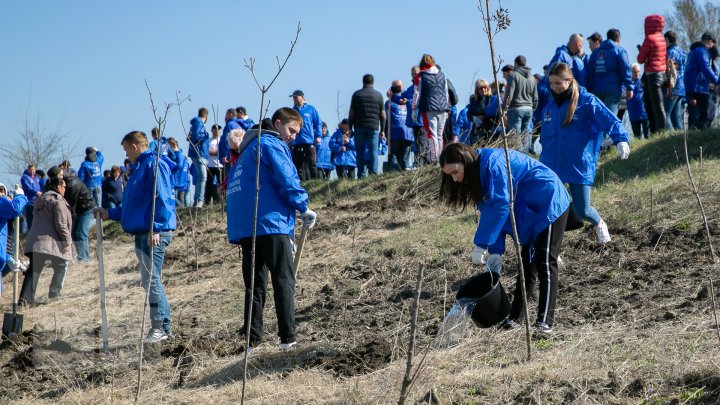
<point>547,117</point>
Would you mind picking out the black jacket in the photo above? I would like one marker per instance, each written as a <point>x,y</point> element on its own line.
<point>77,194</point>
<point>366,108</point>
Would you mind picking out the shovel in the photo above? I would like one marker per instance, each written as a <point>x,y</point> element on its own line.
<point>101,274</point>
<point>298,251</point>
<point>12,322</point>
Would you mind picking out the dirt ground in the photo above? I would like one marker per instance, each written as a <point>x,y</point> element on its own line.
<point>634,320</point>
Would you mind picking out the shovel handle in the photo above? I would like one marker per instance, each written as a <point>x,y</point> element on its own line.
<point>17,264</point>
<point>101,277</point>
<point>298,251</point>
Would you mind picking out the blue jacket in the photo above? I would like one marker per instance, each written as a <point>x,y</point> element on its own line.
<point>698,73</point>
<point>246,123</point>
<point>635,106</point>
<point>408,95</point>
<point>462,126</point>
<point>608,70</point>
<point>91,172</point>
<point>9,209</point>
<point>347,158</point>
<point>398,117</point>
<point>680,57</point>
<point>572,151</point>
<point>181,177</point>
<point>30,186</point>
<point>312,125</point>
<point>223,146</point>
<point>562,54</point>
<point>544,97</point>
<point>540,199</point>
<point>134,214</point>
<point>280,192</point>
<point>200,139</point>
<point>324,154</point>
<point>165,149</point>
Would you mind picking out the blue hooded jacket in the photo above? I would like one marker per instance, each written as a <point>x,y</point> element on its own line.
<point>562,54</point>
<point>90,173</point>
<point>30,186</point>
<point>165,149</point>
<point>323,153</point>
<point>462,126</point>
<point>181,177</point>
<point>134,214</point>
<point>609,69</point>
<point>408,95</point>
<point>245,123</point>
<point>635,106</point>
<point>540,199</point>
<point>572,151</point>
<point>312,125</point>
<point>9,209</point>
<point>347,158</point>
<point>698,73</point>
<point>675,53</point>
<point>223,146</point>
<point>199,140</point>
<point>398,117</point>
<point>280,192</point>
<point>544,97</point>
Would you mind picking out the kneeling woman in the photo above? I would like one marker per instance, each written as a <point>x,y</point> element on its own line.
<point>541,209</point>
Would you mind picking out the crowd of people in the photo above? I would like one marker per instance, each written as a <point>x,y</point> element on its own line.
<point>566,116</point>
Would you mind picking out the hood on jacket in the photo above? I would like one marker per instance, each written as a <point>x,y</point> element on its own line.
<point>608,44</point>
<point>69,175</point>
<point>696,45</point>
<point>654,24</point>
<point>523,70</point>
<point>252,135</point>
<point>40,203</point>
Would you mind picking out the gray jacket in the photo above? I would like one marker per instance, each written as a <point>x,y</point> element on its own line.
<point>50,231</point>
<point>521,89</point>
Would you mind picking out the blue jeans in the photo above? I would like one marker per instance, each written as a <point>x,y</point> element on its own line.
<point>611,101</point>
<point>97,196</point>
<point>365,137</point>
<point>519,121</point>
<point>673,112</point>
<point>201,170</point>
<point>28,211</point>
<point>581,203</point>
<point>159,307</point>
<point>80,234</point>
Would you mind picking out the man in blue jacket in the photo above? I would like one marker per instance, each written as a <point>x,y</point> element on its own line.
<point>608,71</point>
<point>674,97</point>
<point>401,136</point>
<point>698,77</point>
<point>31,187</point>
<point>90,173</point>
<point>568,55</point>
<point>303,148</point>
<point>223,147</point>
<point>9,210</point>
<point>135,215</point>
<point>199,153</point>
<point>281,196</point>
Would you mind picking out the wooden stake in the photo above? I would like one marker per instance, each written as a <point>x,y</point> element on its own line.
<point>712,295</point>
<point>603,175</point>
<point>652,205</point>
<point>701,158</point>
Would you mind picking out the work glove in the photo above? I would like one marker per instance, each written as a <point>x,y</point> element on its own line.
<point>19,190</point>
<point>494,263</point>
<point>308,217</point>
<point>623,150</point>
<point>479,255</point>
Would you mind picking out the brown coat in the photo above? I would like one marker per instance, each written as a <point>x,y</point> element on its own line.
<point>50,231</point>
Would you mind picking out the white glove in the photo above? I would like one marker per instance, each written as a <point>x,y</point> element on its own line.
<point>308,217</point>
<point>479,255</point>
<point>623,150</point>
<point>19,190</point>
<point>494,263</point>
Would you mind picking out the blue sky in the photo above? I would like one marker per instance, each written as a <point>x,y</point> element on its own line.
<point>82,65</point>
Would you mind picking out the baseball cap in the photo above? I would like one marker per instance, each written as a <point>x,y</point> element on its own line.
<point>242,110</point>
<point>297,93</point>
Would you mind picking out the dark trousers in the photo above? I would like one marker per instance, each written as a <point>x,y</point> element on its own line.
<point>273,254</point>
<point>655,101</point>
<point>345,172</point>
<point>32,275</point>
<point>323,173</point>
<point>303,157</point>
<point>697,113</point>
<point>640,128</point>
<point>540,264</point>
<point>211,189</point>
<point>400,150</point>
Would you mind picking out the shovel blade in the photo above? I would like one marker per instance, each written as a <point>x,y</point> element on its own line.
<point>12,324</point>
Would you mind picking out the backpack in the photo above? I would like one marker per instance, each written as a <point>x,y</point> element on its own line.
<point>670,74</point>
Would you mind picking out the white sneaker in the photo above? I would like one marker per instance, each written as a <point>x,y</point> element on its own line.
<point>602,233</point>
<point>288,346</point>
<point>155,335</point>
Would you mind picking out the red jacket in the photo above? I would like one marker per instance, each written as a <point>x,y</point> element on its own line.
<point>653,52</point>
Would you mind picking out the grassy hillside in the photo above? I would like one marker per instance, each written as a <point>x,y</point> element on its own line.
<point>634,321</point>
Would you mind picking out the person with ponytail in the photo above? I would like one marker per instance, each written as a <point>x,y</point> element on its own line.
<point>480,177</point>
<point>572,131</point>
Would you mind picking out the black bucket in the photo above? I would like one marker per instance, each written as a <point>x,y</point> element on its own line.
<point>492,305</point>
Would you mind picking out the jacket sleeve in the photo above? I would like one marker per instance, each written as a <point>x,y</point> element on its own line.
<point>510,89</point>
<point>590,73</point>
<point>624,69</point>
<point>163,198</point>
<point>318,124</point>
<point>608,122</point>
<point>10,209</point>
<point>100,157</point>
<point>494,209</point>
<point>335,142</point>
<point>197,131</point>
<point>351,144</point>
<point>286,180</point>
<point>706,69</point>
<point>81,174</point>
<point>644,50</point>
<point>62,221</point>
